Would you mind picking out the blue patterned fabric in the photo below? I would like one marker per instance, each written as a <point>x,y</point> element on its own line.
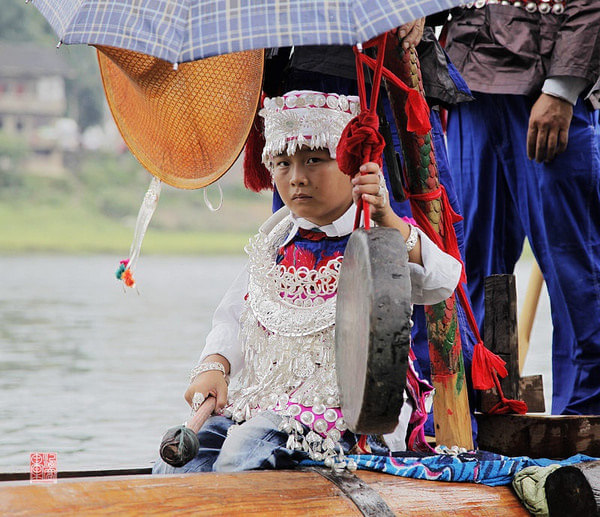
<point>482,467</point>
<point>186,30</point>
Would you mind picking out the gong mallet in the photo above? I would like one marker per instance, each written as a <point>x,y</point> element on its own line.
<point>180,444</point>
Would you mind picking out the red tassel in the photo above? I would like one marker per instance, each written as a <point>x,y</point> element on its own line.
<point>256,176</point>
<point>360,143</point>
<point>417,113</point>
<point>483,367</point>
<point>506,406</point>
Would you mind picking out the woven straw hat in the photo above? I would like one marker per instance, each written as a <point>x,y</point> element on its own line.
<point>185,126</point>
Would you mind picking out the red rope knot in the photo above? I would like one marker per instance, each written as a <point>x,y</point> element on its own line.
<point>360,143</point>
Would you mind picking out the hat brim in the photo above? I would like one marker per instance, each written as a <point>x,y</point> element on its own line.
<point>186,126</point>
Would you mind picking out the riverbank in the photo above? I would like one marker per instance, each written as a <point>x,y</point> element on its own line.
<point>86,219</point>
<point>73,230</point>
<point>93,209</point>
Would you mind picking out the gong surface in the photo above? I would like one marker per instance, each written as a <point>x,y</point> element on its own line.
<point>372,329</point>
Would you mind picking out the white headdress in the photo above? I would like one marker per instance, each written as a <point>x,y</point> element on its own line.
<point>305,117</point>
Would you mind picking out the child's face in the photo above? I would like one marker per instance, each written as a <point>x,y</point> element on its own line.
<point>312,186</point>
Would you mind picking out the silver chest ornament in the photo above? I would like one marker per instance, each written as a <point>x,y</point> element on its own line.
<point>287,333</point>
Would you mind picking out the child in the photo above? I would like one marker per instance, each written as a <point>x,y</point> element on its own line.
<point>273,332</point>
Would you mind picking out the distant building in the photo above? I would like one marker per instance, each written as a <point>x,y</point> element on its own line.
<point>33,104</point>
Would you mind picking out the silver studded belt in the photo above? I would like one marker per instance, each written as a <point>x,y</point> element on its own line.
<point>543,6</point>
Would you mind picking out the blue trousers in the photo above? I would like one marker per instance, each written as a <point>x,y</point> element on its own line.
<point>256,444</point>
<point>506,197</point>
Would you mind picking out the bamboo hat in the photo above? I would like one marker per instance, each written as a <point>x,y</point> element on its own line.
<point>186,126</point>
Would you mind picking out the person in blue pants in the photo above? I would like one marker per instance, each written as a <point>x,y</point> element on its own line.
<point>525,156</point>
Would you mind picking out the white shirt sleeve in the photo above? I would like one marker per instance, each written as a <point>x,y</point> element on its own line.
<point>565,87</point>
<point>437,278</point>
<point>224,336</point>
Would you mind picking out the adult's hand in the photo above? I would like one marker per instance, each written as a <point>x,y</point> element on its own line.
<point>410,33</point>
<point>548,131</point>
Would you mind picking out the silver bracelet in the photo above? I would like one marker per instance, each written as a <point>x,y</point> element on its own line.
<point>413,237</point>
<point>208,367</point>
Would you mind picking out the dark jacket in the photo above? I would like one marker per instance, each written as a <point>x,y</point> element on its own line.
<point>441,81</point>
<point>505,49</point>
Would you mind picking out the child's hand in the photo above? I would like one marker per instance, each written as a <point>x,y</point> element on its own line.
<point>211,382</point>
<point>369,185</point>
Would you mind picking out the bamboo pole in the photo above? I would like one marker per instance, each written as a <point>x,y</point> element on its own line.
<point>527,316</point>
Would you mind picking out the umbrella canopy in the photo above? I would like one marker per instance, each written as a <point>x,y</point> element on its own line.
<point>186,30</point>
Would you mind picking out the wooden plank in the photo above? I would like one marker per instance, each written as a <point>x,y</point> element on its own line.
<point>539,436</point>
<point>531,390</point>
<point>268,493</point>
<point>527,316</point>
<point>64,474</point>
<point>368,500</point>
<point>450,409</point>
<point>500,331</point>
<point>501,337</point>
<point>416,497</point>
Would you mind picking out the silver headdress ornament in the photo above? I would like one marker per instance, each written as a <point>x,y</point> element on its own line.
<point>305,117</point>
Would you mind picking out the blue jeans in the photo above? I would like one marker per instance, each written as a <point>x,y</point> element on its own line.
<point>255,444</point>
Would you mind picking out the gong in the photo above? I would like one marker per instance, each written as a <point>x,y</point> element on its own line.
<point>372,329</point>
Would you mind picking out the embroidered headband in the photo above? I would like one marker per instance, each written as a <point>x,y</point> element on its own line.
<point>304,117</point>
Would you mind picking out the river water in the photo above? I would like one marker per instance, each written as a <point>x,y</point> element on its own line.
<point>97,374</point>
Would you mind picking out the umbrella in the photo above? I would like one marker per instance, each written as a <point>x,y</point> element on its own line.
<point>186,30</point>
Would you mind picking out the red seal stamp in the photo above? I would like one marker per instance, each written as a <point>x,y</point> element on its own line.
<point>42,467</point>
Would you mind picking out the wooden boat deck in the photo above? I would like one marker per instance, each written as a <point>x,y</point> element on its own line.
<point>264,493</point>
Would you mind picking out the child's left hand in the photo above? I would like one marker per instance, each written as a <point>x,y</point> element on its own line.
<point>369,184</point>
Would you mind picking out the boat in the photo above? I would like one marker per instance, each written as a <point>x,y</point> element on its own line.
<point>305,491</point>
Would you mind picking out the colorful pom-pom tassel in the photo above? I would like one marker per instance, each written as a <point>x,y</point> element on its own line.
<point>122,268</point>
<point>126,267</point>
<point>128,278</point>
<point>124,273</point>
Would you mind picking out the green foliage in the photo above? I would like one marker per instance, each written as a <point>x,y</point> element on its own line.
<point>12,150</point>
<point>12,146</point>
<point>94,209</point>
